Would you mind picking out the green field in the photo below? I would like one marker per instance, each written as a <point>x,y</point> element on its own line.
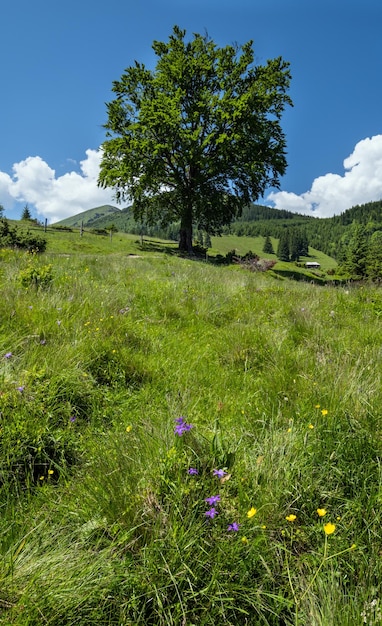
<point>184,442</point>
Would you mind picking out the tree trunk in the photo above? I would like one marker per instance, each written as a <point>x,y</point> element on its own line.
<point>185,234</point>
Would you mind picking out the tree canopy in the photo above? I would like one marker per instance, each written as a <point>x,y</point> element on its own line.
<point>199,137</point>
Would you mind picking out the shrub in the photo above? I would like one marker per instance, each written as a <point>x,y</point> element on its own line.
<point>33,276</point>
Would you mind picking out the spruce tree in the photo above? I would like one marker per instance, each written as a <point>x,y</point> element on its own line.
<point>268,247</point>
<point>283,247</point>
<point>374,256</point>
<point>356,257</point>
<point>26,214</point>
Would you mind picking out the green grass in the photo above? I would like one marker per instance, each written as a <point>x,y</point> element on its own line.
<point>101,523</point>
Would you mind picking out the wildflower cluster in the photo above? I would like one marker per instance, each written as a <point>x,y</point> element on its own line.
<point>181,426</point>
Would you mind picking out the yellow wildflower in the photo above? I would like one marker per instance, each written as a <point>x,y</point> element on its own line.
<point>291,518</point>
<point>251,512</point>
<point>244,540</point>
<point>317,406</point>
<point>50,471</point>
<point>128,428</point>
<point>321,512</point>
<point>311,426</point>
<point>324,412</point>
<point>329,528</point>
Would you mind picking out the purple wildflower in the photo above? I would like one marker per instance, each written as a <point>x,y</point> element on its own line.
<point>212,500</point>
<point>233,527</point>
<point>181,426</point>
<point>8,355</point>
<point>192,471</point>
<point>21,388</point>
<point>220,473</point>
<point>43,342</point>
<point>72,418</point>
<point>211,513</point>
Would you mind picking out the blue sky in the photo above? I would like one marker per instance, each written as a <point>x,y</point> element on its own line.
<point>59,59</point>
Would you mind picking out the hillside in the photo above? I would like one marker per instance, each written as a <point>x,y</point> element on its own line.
<point>89,217</point>
<point>329,235</point>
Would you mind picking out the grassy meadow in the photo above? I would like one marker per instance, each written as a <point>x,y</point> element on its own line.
<point>184,443</point>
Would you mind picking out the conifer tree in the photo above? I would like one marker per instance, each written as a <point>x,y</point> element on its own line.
<point>374,256</point>
<point>26,214</point>
<point>268,247</point>
<point>355,262</point>
<point>283,247</point>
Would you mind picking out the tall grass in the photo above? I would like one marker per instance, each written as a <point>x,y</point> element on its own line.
<point>102,522</point>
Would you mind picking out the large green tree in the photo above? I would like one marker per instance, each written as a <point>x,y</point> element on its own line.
<point>198,137</point>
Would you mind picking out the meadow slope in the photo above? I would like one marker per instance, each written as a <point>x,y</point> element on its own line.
<point>184,443</point>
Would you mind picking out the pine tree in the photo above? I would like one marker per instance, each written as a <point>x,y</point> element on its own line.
<point>283,247</point>
<point>355,262</point>
<point>268,247</point>
<point>374,256</point>
<point>294,245</point>
<point>26,214</point>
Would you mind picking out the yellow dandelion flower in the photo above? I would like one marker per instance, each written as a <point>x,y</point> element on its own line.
<point>128,428</point>
<point>50,472</point>
<point>251,512</point>
<point>324,412</point>
<point>321,512</point>
<point>263,527</point>
<point>329,528</point>
<point>311,426</point>
<point>42,477</point>
<point>291,518</point>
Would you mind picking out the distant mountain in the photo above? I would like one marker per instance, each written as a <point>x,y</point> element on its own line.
<point>88,218</point>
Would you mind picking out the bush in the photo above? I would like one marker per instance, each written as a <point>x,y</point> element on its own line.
<point>33,276</point>
<point>11,238</point>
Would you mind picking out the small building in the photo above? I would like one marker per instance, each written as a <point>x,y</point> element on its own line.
<point>312,265</point>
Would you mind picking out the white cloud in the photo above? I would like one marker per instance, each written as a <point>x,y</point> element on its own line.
<point>332,194</point>
<point>5,183</point>
<point>55,198</point>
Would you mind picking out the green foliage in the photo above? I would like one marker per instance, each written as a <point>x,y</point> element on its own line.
<point>268,247</point>
<point>26,214</point>
<point>374,256</point>
<point>283,248</point>
<point>36,275</point>
<point>13,238</point>
<point>182,137</point>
